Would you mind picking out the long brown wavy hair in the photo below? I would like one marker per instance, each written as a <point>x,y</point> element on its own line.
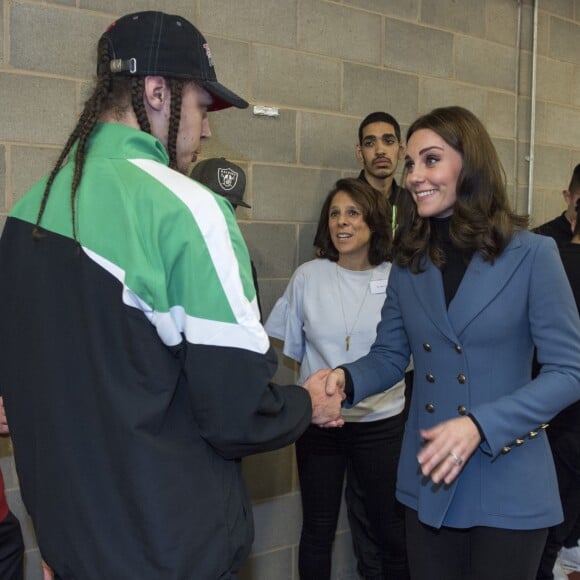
<point>482,219</point>
<point>376,214</point>
<point>111,94</point>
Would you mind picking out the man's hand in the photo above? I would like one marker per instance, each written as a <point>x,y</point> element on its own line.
<point>3,421</point>
<point>325,408</point>
<point>448,447</point>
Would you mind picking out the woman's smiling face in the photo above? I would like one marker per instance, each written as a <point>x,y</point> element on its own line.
<point>433,169</point>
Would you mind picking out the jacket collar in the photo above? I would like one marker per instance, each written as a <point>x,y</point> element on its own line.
<point>482,282</point>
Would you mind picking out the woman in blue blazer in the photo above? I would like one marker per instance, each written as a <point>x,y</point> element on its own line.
<point>471,294</point>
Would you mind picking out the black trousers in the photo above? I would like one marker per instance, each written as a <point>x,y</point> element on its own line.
<point>478,553</point>
<point>566,451</point>
<point>368,453</point>
<point>11,549</point>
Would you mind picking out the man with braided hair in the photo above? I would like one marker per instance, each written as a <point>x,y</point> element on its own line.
<point>133,366</point>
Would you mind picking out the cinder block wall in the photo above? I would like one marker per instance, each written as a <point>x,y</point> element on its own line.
<point>324,64</point>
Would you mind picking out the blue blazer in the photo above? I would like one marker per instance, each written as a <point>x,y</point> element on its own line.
<point>476,357</point>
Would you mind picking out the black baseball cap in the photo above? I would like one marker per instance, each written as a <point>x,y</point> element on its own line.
<point>155,43</point>
<point>222,177</point>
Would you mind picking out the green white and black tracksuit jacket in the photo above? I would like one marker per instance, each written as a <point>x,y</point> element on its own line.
<point>134,369</point>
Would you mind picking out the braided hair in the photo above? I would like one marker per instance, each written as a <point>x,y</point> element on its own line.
<point>176,89</point>
<point>137,89</point>
<point>110,93</point>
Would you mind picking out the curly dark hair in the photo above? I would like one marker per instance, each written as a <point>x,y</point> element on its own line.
<point>376,214</point>
<point>111,94</point>
<point>482,219</point>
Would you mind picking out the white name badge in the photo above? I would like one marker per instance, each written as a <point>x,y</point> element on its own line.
<point>378,286</point>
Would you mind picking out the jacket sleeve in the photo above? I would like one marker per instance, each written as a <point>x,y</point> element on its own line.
<point>286,321</point>
<point>555,330</point>
<point>206,314</point>
<point>238,410</point>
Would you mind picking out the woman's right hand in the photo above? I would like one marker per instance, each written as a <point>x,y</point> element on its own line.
<point>325,408</point>
<point>335,382</point>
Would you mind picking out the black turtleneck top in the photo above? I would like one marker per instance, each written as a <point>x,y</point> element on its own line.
<point>455,260</point>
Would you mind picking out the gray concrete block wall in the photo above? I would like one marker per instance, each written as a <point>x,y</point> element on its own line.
<point>324,64</point>
<point>406,10</point>
<point>238,135</point>
<point>576,86</point>
<point>555,80</point>
<point>562,126</point>
<point>560,7</point>
<point>501,22</point>
<point>25,173</point>
<point>467,17</point>
<point>278,72</point>
<point>500,111</point>
<point>319,133</point>
<point>480,62</point>
<point>418,49</point>
<point>561,33</point>
<point>1,38</point>
<point>36,109</point>
<point>340,32</point>
<point>56,39</point>
<point>367,89</point>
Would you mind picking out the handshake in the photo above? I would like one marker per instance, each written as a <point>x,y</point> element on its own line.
<point>326,389</point>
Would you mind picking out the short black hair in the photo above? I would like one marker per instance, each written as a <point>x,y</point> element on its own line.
<point>575,181</point>
<point>378,117</point>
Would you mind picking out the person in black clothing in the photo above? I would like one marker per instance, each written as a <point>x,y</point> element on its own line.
<point>134,369</point>
<point>380,149</point>
<point>570,254</point>
<point>564,435</point>
<point>559,228</point>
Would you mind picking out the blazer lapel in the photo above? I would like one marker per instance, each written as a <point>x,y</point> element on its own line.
<point>428,287</point>
<point>482,282</point>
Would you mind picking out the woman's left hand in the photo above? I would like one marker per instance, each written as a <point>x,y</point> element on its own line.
<point>448,447</point>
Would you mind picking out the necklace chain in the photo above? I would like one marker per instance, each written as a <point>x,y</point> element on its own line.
<point>348,332</point>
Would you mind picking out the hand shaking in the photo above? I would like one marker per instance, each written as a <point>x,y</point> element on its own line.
<point>325,407</point>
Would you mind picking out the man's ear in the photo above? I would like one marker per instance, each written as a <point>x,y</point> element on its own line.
<point>567,197</point>
<point>358,153</point>
<point>156,93</point>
